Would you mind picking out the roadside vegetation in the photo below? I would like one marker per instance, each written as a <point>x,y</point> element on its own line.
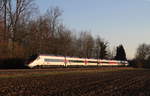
<point>142,57</point>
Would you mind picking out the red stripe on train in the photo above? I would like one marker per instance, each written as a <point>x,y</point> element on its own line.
<point>113,62</point>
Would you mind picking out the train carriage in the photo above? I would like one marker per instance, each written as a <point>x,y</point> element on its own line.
<point>61,61</point>
<point>75,62</point>
<point>47,61</point>
<point>92,62</point>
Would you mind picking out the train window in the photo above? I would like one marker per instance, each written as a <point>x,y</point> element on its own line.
<point>77,61</point>
<point>104,62</point>
<point>53,60</point>
<point>92,62</point>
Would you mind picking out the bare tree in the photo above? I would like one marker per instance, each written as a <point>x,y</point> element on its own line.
<point>44,33</point>
<point>32,39</point>
<point>101,47</point>
<point>63,42</point>
<point>1,7</point>
<point>1,30</point>
<point>85,44</point>
<point>3,19</point>
<point>15,13</point>
<point>142,56</point>
<point>52,17</point>
<point>143,52</point>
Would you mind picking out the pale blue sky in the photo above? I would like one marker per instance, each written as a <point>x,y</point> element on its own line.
<point>124,22</point>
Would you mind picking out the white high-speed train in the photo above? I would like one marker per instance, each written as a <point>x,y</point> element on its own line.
<point>43,61</point>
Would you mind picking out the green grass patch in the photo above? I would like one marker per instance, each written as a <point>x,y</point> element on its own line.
<point>39,74</point>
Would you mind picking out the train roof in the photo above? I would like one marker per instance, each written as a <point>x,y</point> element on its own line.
<point>49,55</point>
<point>59,56</point>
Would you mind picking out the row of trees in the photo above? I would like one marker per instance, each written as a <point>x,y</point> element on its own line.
<point>22,33</point>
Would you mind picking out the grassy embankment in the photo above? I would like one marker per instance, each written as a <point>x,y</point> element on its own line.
<point>38,73</point>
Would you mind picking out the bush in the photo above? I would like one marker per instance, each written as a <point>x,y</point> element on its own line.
<point>13,63</point>
<point>140,63</point>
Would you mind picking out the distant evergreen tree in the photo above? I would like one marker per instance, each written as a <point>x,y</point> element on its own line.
<point>120,53</point>
<point>101,48</point>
